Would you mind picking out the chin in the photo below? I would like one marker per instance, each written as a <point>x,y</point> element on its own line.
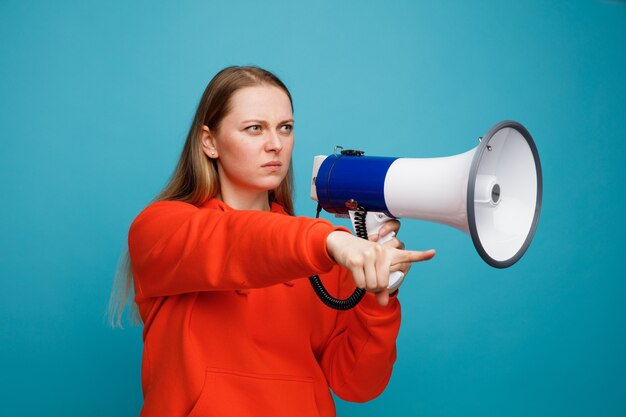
<point>272,183</point>
<point>266,185</point>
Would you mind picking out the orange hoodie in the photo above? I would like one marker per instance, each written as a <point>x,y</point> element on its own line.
<point>232,329</point>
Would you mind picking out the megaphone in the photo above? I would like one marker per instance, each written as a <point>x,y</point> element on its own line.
<point>492,192</point>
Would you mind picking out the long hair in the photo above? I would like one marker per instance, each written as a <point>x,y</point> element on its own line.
<point>195,178</point>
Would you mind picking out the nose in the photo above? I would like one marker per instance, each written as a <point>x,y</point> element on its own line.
<point>273,143</point>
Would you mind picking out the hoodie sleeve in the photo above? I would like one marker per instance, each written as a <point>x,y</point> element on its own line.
<point>360,353</point>
<point>176,247</point>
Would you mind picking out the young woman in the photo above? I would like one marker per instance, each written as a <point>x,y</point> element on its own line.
<point>231,328</point>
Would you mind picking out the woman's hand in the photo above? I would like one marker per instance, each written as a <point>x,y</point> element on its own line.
<point>369,262</point>
<point>391,226</point>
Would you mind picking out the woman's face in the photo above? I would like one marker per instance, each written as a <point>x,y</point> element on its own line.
<point>253,143</point>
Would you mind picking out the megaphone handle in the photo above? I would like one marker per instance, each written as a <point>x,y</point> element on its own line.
<point>373,222</point>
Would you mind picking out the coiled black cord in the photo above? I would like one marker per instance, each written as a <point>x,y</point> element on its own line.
<point>316,283</point>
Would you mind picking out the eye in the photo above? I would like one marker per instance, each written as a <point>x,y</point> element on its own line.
<point>286,128</point>
<point>254,129</point>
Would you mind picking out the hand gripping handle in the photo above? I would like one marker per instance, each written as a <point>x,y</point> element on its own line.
<point>373,222</point>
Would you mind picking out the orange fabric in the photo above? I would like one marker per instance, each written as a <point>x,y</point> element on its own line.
<point>232,329</point>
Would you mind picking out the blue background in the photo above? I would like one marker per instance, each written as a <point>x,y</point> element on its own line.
<point>96,98</point>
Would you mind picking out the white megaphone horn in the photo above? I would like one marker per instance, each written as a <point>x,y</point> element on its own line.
<point>492,192</point>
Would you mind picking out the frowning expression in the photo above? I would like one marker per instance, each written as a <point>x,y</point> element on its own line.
<point>254,141</point>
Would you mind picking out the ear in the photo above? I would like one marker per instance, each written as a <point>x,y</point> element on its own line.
<point>208,143</point>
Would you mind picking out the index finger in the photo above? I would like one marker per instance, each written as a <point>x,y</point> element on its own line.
<point>404,256</point>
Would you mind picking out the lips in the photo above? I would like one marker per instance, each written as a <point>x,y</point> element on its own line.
<point>272,164</point>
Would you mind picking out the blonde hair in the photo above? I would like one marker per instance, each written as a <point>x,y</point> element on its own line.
<point>195,178</point>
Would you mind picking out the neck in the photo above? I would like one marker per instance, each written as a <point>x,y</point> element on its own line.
<point>244,199</point>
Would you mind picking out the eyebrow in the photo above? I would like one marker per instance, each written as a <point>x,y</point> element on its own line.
<point>261,121</point>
